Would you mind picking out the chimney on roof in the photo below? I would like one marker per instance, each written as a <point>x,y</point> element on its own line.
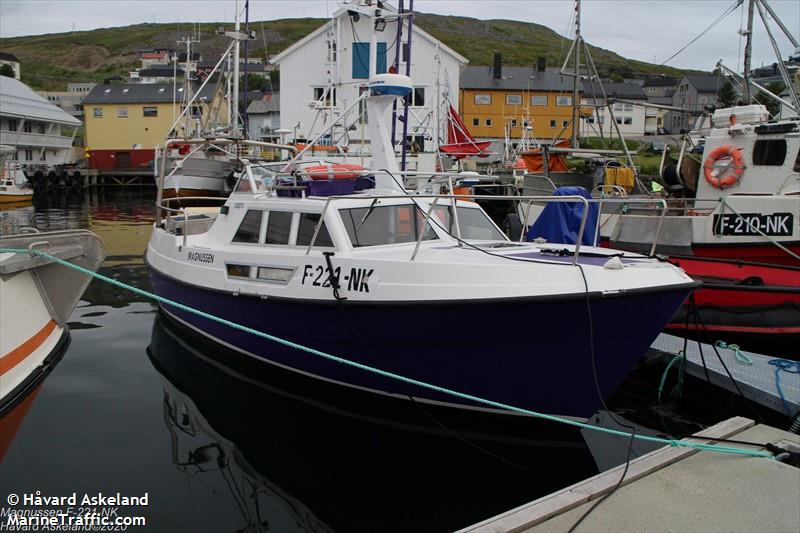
<point>497,71</point>
<point>541,64</point>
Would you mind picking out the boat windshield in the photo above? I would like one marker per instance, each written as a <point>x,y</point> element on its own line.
<point>473,223</point>
<point>385,224</point>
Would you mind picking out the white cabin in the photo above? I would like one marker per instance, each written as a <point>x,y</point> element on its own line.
<point>324,73</point>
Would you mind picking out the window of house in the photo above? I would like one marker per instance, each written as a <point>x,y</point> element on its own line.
<point>13,125</point>
<point>279,226</point>
<point>483,99</point>
<point>769,152</point>
<point>590,120</point>
<point>40,129</point>
<point>627,120</point>
<point>418,97</point>
<point>553,123</point>
<point>122,112</point>
<point>513,123</point>
<point>361,60</point>
<point>250,228</point>
<point>305,231</point>
<point>618,120</point>
<point>149,111</point>
<point>513,99</point>
<point>363,117</point>
<point>563,100</point>
<point>26,127</point>
<point>539,99</point>
<point>476,122</point>
<point>28,155</point>
<point>488,123</point>
<point>43,156</point>
<point>328,94</point>
<point>564,123</point>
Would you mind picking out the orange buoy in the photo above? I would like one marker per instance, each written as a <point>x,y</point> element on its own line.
<point>722,179</point>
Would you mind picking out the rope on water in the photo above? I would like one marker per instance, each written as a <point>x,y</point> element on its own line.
<point>792,367</point>
<point>391,375</point>
<point>676,390</point>
<point>740,356</point>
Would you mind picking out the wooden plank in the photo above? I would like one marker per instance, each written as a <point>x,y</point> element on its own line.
<point>537,511</point>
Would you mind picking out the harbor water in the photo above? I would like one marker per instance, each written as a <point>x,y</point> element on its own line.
<point>137,405</point>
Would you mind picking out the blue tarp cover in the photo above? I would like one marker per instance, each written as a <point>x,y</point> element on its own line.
<point>561,221</point>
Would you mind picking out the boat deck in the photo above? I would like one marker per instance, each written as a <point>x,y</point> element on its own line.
<point>676,489</point>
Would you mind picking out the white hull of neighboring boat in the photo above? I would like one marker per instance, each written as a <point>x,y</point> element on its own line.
<point>28,335</point>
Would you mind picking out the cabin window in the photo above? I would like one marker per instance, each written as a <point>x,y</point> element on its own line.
<point>392,224</point>
<point>483,99</point>
<point>97,112</point>
<point>149,111</point>
<point>122,112</point>
<point>472,223</point>
<point>279,227</point>
<point>513,99</point>
<point>539,99</point>
<point>250,228</point>
<point>238,271</point>
<point>563,100</point>
<point>769,152</point>
<point>305,231</point>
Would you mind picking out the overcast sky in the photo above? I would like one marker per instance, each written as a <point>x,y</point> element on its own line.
<point>648,30</point>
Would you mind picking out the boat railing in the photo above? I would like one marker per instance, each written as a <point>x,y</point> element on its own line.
<point>453,198</point>
<point>179,217</point>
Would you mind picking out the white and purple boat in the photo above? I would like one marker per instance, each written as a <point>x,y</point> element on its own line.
<point>424,287</point>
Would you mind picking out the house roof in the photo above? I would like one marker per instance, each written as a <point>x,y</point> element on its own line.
<point>8,57</point>
<point>270,103</point>
<point>708,83</point>
<point>159,72</point>
<point>138,93</point>
<point>661,81</point>
<point>19,100</point>
<point>322,29</point>
<point>627,91</point>
<point>515,79</point>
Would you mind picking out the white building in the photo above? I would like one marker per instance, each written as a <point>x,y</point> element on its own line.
<point>323,74</point>
<point>33,126</point>
<point>12,61</point>
<point>632,119</point>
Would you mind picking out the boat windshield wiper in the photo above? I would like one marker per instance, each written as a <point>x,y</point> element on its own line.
<point>368,213</point>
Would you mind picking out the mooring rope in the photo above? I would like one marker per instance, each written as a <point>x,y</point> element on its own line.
<point>411,381</point>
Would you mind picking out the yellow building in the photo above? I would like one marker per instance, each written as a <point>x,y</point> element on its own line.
<point>124,123</point>
<point>493,98</point>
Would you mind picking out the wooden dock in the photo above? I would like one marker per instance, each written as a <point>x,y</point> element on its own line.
<point>676,489</point>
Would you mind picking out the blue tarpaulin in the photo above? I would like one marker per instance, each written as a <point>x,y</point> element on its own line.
<point>561,221</point>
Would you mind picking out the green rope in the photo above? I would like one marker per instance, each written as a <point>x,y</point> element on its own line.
<point>678,386</point>
<point>384,373</point>
<point>741,357</point>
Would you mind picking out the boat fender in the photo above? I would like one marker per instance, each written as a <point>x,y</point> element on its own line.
<point>719,178</point>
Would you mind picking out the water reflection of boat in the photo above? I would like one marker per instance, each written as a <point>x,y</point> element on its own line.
<point>346,458</point>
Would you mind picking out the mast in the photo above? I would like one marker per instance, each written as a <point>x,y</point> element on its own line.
<point>397,57</point>
<point>577,80</point>
<point>235,114</point>
<point>748,51</point>
<point>246,49</point>
<point>408,73</point>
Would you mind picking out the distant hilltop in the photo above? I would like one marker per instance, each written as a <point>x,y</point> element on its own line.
<point>50,61</point>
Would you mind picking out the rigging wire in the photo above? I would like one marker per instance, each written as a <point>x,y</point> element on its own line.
<point>719,19</point>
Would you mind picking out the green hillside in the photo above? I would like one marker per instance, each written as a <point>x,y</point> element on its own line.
<point>50,61</point>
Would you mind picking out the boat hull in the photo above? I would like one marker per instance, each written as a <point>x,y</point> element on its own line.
<point>529,353</point>
<point>15,198</point>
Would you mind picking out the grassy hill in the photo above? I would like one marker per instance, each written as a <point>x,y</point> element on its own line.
<point>50,61</point>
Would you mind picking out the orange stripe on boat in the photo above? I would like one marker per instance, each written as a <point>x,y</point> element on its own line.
<point>17,355</point>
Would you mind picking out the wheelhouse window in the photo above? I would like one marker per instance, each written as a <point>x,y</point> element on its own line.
<point>305,231</point>
<point>279,227</point>
<point>391,224</point>
<point>250,228</point>
<point>473,223</point>
<point>770,152</point>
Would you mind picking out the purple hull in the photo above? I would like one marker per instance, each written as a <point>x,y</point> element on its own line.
<point>530,353</point>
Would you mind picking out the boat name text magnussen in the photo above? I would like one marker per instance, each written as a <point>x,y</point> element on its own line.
<point>200,257</point>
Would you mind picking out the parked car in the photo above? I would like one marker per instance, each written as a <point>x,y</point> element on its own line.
<point>656,147</point>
